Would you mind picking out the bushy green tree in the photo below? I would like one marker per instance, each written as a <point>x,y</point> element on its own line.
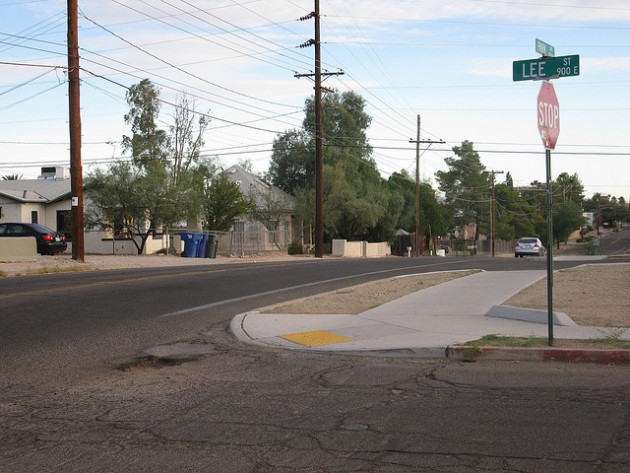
<point>567,219</point>
<point>514,216</point>
<point>224,203</point>
<point>466,188</point>
<point>292,166</point>
<point>136,200</point>
<point>357,203</point>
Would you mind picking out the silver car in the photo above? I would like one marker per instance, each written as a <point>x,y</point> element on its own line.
<point>529,246</point>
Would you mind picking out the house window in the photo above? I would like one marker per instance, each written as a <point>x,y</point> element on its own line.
<point>34,216</point>
<point>64,223</point>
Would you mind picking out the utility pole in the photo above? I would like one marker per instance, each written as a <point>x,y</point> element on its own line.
<point>319,132</point>
<point>417,141</point>
<point>76,169</point>
<point>493,225</point>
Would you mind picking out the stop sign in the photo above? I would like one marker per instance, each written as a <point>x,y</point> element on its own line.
<point>548,115</point>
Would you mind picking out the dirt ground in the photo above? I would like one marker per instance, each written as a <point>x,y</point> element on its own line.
<point>592,295</point>
<point>595,295</point>
<point>356,299</point>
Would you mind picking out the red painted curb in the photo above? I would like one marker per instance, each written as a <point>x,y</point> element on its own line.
<point>571,355</point>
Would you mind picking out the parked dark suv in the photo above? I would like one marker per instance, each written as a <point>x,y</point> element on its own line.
<point>49,242</point>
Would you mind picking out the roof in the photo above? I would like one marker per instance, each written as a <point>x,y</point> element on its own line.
<point>42,191</point>
<point>249,183</point>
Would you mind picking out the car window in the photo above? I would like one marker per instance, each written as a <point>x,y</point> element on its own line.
<point>14,230</point>
<point>528,240</point>
<point>40,228</point>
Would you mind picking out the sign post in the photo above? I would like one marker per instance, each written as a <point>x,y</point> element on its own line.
<point>549,128</point>
<point>545,68</point>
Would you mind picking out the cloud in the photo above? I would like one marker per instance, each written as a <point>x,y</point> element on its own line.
<point>607,63</point>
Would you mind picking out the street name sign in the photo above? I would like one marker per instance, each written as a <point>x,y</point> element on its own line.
<point>545,49</point>
<point>546,68</point>
<point>548,115</point>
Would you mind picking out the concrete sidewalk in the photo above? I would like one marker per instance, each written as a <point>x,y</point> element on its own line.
<point>425,323</point>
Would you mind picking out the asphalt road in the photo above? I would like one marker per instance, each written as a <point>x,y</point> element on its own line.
<point>78,392</point>
<point>616,243</point>
<point>70,324</point>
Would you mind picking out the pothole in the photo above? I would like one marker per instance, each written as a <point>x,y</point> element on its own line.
<point>163,356</point>
<point>152,362</point>
<point>354,427</point>
<point>180,350</point>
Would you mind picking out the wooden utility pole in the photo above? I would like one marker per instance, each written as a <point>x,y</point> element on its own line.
<point>493,222</point>
<point>417,242</point>
<point>76,169</point>
<point>319,131</point>
<point>319,144</point>
<point>417,141</point>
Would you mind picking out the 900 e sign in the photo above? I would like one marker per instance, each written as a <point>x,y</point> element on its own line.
<point>546,68</point>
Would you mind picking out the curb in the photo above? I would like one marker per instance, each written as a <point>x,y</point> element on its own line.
<point>572,355</point>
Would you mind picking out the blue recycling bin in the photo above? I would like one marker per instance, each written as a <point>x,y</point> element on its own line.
<point>202,248</point>
<point>191,244</point>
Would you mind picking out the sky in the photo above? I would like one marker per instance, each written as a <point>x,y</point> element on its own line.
<point>449,62</point>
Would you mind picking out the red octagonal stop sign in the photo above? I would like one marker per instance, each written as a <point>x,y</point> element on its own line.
<point>548,115</point>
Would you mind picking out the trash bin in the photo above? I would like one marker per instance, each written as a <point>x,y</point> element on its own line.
<point>202,249</point>
<point>190,244</point>
<point>213,242</point>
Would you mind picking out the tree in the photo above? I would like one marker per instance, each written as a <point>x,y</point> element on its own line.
<point>568,188</point>
<point>432,215</point>
<point>186,136</point>
<point>356,201</point>
<point>11,177</point>
<point>148,143</point>
<point>466,187</point>
<point>133,201</point>
<point>292,166</point>
<point>566,220</point>
<point>345,124</point>
<point>515,217</point>
<point>224,203</point>
<point>350,208</point>
<point>164,182</point>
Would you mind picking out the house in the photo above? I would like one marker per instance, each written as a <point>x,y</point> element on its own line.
<point>47,201</point>
<point>276,227</point>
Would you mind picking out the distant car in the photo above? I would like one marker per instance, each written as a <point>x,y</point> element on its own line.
<point>48,241</point>
<point>529,246</point>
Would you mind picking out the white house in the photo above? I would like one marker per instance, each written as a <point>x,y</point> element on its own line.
<point>45,201</point>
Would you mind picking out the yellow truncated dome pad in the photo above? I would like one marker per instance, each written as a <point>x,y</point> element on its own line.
<point>315,338</point>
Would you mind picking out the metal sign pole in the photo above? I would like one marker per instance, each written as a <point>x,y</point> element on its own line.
<point>549,250</point>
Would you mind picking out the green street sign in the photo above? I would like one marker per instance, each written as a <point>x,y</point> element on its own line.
<point>545,49</point>
<point>546,68</point>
